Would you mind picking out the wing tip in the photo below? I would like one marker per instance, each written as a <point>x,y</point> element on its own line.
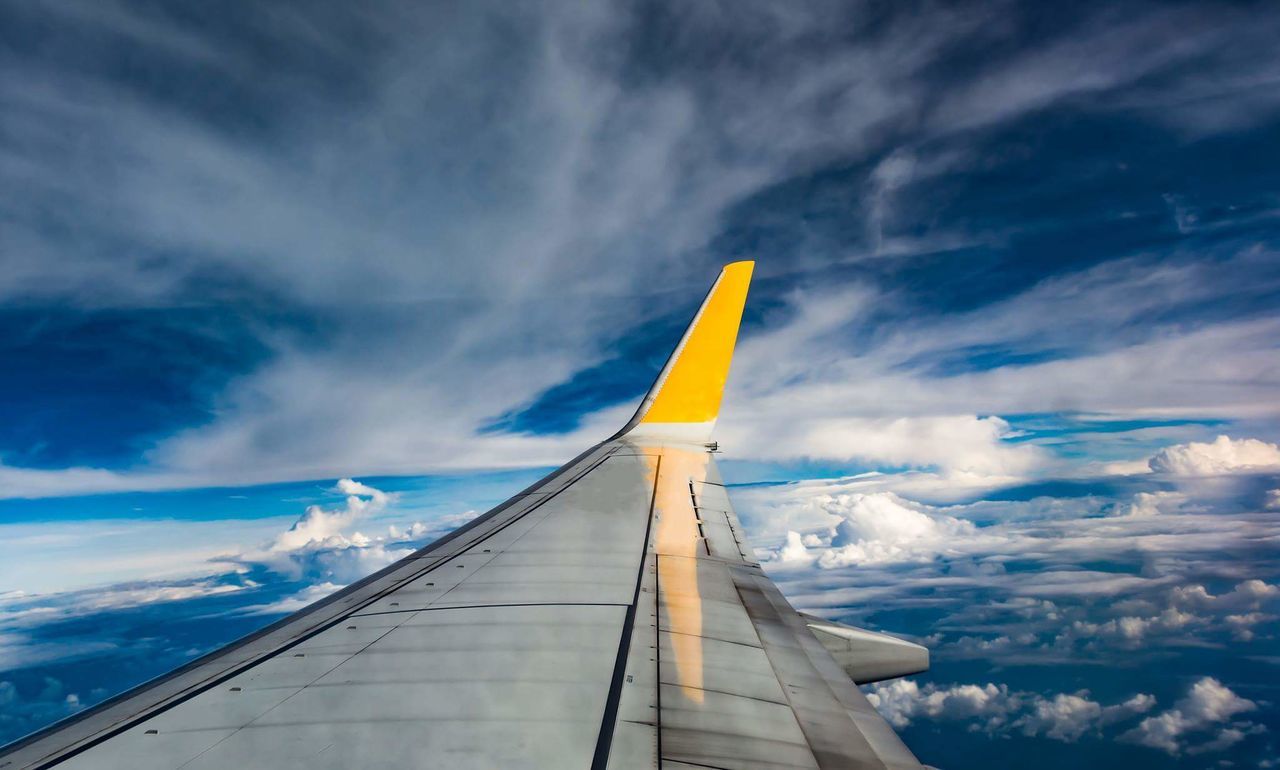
<point>684,401</point>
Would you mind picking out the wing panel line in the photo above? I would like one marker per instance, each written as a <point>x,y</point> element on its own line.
<point>605,741</point>
<point>657,651</point>
<point>838,749</point>
<point>485,606</point>
<point>250,723</point>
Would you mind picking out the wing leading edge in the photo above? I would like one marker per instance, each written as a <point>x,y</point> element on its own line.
<point>610,616</point>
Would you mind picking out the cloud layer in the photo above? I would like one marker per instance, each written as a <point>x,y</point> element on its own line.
<point>1014,592</point>
<point>1201,722</point>
<point>1062,717</point>
<point>341,262</point>
<point>1105,580</point>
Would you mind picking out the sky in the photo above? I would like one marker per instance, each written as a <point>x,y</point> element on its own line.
<point>287,291</point>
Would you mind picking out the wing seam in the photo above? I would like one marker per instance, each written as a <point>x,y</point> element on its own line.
<point>487,606</point>
<point>604,743</point>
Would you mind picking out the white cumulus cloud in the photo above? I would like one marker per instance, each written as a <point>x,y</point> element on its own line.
<point>997,709</point>
<point>902,701</point>
<point>873,528</point>
<point>1151,503</point>
<point>318,525</point>
<point>1208,703</point>
<point>1068,716</point>
<point>322,546</point>
<point>1223,455</point>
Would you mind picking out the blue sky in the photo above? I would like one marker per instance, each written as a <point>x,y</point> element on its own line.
<point>1019,262</point>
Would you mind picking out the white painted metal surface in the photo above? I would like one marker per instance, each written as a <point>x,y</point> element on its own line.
<point>614,618</point>
<point>611,616</point>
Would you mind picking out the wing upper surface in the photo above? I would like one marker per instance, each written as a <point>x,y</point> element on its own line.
<point>611,616</point>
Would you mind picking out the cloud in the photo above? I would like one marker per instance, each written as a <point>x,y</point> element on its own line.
<point>43,628</point>
<point>1211,701</point>
<point>1208,703</point>
<point>1148,503</point>
<point>838,529</point>
<point>868,528</point>
<point>415,269</point>
<point>294,602</point>
<point>315,556</point>
<point>902,701</point>
<point>995,708</point>
<point>1224,455</point>
<point>1116,48</point>
<point>321,547</point>
<point>954,443</point>
<point>800,390</point>
<point>412,267</point>
<point>794,552</point>
<point>385,259</point>
<point>21,649</point>
<point>21,713</point>
<point>1176,616</point>
<point>60,482</point>
<point>323,544</point>
<point>1129,630</point>
<point>881,527</point>
<point>318,525</point>
<point>30,609</point>
<point>1246,595</point>
<point>1037,581</point>
<point>1242,625</point>
<point>1067,717</point>
<point>132,596</point>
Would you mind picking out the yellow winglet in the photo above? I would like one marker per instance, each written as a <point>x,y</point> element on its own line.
<point>685,400</point>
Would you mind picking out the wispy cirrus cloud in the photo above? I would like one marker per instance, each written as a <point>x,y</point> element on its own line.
<point>316,185</point>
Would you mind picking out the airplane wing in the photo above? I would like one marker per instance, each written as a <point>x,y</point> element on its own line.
<point>610,616</point>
